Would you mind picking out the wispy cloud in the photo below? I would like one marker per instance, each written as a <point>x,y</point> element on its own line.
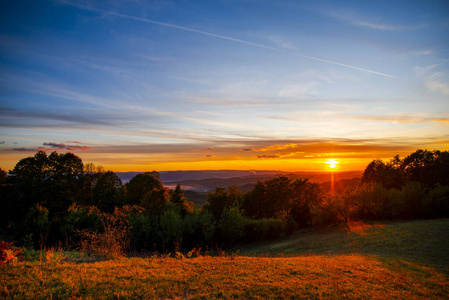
<point>150,21</point>
<point>438,83</point>
<point>248,101</point>
<point>25,118</point>
<point>54,147</point>
<point>410,119</point>
<point>377,23</point>
<point>435,81</point>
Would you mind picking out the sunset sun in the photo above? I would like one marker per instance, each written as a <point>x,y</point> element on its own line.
<point>332,163</point>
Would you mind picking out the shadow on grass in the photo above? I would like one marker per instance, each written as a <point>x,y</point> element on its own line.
<point>424,242</point>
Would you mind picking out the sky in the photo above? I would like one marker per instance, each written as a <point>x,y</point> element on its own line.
<point>226,84</point>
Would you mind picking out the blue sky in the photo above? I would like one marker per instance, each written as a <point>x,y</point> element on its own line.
<point>165,85</point>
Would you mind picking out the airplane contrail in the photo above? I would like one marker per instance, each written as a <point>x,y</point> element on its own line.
<point>224,37</point>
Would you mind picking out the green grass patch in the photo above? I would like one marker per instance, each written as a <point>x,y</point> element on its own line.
<point>424,241</point>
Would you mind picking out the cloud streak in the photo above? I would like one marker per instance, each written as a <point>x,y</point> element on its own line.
<point>400,119</point>
<point>54,147</point>
<point>224,37</point>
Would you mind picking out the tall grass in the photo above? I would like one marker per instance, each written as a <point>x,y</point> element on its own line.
<point>114,240</point>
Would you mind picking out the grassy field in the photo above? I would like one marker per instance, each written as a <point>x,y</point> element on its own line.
<point>423,241</point>
<point>406,260</point>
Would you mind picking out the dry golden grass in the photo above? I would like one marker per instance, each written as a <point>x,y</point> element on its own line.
<point>406,260</point>
<point>343,276</point>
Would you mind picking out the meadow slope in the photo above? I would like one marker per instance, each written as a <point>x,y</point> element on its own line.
<point>332,269</point>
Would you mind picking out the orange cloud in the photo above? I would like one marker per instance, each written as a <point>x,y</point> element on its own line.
<point>268,156</point>
<point>206,150</point>
<point>272,148</point>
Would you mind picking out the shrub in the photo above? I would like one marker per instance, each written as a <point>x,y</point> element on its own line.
<point>8,254</point>
<point>326,213</point>
<point>114,240</point>
<point>264,229</point>
<point>201,231</point>
<point>407,203</point>
<point>144,232</point>
<point>231,226</point>
<point>80,218</point>
<point>436,203</point>
<point>171,225</point>
<point>36,224</point>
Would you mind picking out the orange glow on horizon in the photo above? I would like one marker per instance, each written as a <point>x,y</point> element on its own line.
<point>288,165</point>
<point>127,162</point>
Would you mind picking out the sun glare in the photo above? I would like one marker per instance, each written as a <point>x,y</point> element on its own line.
<point>332,163</point>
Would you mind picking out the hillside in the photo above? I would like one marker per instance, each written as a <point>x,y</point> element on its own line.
<point>405,260</point>
<point>423,241</point>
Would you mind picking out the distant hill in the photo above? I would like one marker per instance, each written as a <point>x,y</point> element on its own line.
<point>207,180</point>
<point>177,176</point>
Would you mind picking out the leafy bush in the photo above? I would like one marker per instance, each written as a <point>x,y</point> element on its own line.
<point>201,229</point>
<point>407,203</point>
<point>264,229</point>
<point>8,254</point>
<point>80,218</point>
<point>231,226</point>
<point>436,203</point>
<point>326,213</point>
<point>144,232</point>
<point>114,240</point>
<point>36,224</point>
<point>171,225</point>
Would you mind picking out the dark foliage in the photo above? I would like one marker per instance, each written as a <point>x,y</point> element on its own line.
<point>49,199</point>
<point>426,167</point>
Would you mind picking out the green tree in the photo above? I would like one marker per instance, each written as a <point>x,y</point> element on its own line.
<point>177,198</point>
<point>231,226</point>
<point>221,199</point>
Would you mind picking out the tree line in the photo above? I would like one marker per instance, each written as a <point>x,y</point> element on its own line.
<point>55,198</point>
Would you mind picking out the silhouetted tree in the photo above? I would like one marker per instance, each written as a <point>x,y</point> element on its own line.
<point>147,191</point>
<point>177,198</point>
<point>3,175</point>
<point>52,181</point>
<point>306,196</point>
<point>108,192</point>
<point>283,198</point>
<point>389,174</point>
<point>223,198</point>
<point>427,167</point>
